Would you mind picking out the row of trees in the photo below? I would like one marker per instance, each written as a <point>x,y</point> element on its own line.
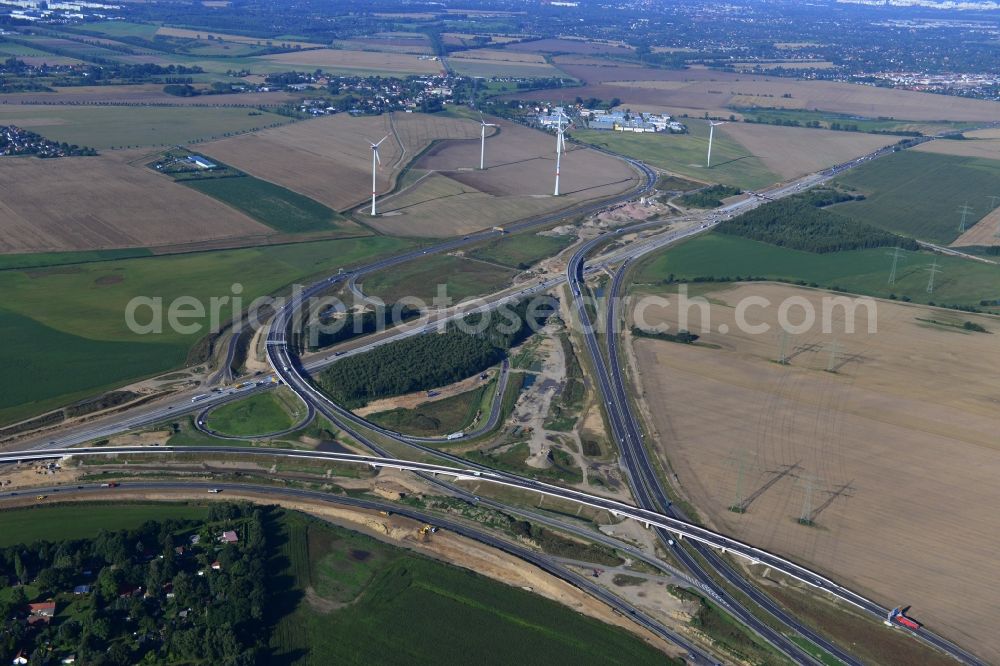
<point>432,360</point>
<point>800,223</point>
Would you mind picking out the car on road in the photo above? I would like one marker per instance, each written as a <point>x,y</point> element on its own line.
<point>215,491</point>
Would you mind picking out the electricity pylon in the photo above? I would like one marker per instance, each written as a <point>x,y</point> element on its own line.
<point>965,210</point>
<point>934,270</point>
<point>895,260</point>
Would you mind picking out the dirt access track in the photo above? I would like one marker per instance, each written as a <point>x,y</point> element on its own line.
<point>894,456</point>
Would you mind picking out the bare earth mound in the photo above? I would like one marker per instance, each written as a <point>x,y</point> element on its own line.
<point>894,456</point>
<point>88,203</point>
<point>456,197</point>
<point>329,159</point>
<point>796,151</point>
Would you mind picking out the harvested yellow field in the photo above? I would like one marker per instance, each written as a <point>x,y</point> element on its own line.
<point>494,39</point>
<point>852,99</point>
<point>984,232</point>
<point>893,456</point>
<point>980,143</point>
<point>710,89</point>
<point>226,37</point>
<point>499,54</point>
<point>362,61</point>
<point>97,203</point>
<point>455,197</point>
<point>329,158</point>
<point>796,151</point>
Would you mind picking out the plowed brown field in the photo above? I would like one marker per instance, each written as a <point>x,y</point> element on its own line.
<point>88,203</point>
<point>894,456</point>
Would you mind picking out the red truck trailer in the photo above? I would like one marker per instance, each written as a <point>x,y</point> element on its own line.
<point>896,615</point>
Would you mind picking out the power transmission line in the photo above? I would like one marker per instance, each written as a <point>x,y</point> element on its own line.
<point>895,260</point>
<point>965,210</point>
<point>739,504</point>
<point>783,349</point>
<point>809,483</point>
<point>831,365</point>
<point>934,270</point>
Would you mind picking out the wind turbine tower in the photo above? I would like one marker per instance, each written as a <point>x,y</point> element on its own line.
<point>560,145</point>
<point>711,137</point>
<point>376,163</point>
<point>482,140</point>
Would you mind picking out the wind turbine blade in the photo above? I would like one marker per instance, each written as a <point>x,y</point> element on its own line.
<point>376,145</point>
<point>377,158</point>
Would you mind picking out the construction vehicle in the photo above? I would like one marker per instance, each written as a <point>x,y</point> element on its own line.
<point>500,229</point>
<point>41,497</point>
<point>426,531</point>
<point>897,616</point>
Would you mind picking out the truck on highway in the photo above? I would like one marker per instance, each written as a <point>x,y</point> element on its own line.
<point>199,398</point>
<point>455,435</point>
<point>110,484</point>
<point>897,616</point>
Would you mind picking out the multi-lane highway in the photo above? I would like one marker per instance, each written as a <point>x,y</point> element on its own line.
<point>654,509</point>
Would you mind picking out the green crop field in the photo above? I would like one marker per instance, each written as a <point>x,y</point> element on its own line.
<point>685,154</point>
<point>119,29</point>
<point>441,417</point>
<point>104,127</point>
<point>259,414</point>
<point>866,272</point>
<point>827,119</point>
<point>522,250</point>
<point>48,259</point>
<point>275,206</point>
<point>64,328</point>
<point>463,278</point>
<point>449,613</point>
<point>918,194</point>
<point>82,521</point>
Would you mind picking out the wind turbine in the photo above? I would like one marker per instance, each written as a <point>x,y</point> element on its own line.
<point>560,146</point>
<point>711,136</point>
<point>376,162</point>
<point>482,140</point>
